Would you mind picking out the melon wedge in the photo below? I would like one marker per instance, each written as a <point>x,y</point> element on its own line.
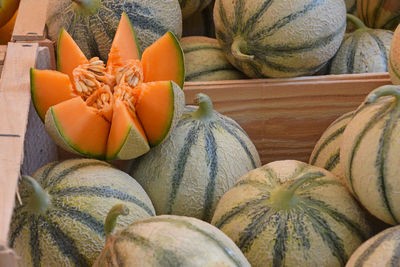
<point>157,107</point>
<point>111,112</point>
<point>163,61</point>
<point>69,55</point>
<point>78,128</point>
<point>49,88</point>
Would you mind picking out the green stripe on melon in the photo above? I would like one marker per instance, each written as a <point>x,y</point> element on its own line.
<point>326,153</point>
<point>170,241</point>
<point>201,159</point>
<point>286,212</point>
<point>369,154</point>
<point>92,23</point>
<point>364,50</point>
<point>205,61</point>
<point>380,250</point>
<point>271,38</point>
<point>61,220</point>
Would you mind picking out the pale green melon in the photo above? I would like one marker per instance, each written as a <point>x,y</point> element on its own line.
<point>365,50</point>
<point>289,213</point>
<point>205,61</point>
<point>370,152</point>
<point>381,250</point>
<point>279,38</point>
<point>61,219</point>
<point>326,153</point>
<point>92,23</point>
<point>201,159</point>
<point>170,241</point>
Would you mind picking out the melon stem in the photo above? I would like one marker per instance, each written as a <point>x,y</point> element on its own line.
<point>284,197</point>
<point>385,90</point>
<point>356,21</point>
<point>238,46</point>
<point>39,199</point>
<point>205,110</point>
<point>111,219</point>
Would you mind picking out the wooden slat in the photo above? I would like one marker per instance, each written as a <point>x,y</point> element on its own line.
<point>285,119</point>
<point>31,20</point>
<point>3,49</point>
<point>14,105</point>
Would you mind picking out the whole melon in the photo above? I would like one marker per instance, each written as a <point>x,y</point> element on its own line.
<point>394,58</point>
<point>190,7</point>
<point>363,51</point>
<point>380,250</point>
<point>92,23</point>
<point>7,10</point>
<point>170,240</point>
<point>205,61</point>
<point>201,159</point>
<point>279,38</point>
<point>379,14</point>
<point>289,213</point>
<point>370,151</point>
<point>60,222</point>
<point>326,153</point>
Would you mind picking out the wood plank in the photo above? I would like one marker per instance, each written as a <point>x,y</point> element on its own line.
<point>31,20</point>
<point>285,119</point>
<point>14,106</point>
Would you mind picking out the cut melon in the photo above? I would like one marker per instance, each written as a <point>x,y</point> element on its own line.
<point>111,112</point>
<point>69,55</point>
<point>49,88</point>
<point>163,60</point>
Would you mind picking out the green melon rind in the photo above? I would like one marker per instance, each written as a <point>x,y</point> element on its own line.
<point>363,51</point>
<point>133,145</point>
<point>175,114</point>
<point>180,59</point>
<point>382,249</point>
<point>33,93</point>
<point>55,132</point>
<point>322,219</point>
<point>205,61</point>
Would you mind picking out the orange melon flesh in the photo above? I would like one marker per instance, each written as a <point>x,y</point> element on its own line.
<point>81,127</point>
<point>48,88</point>
<point>121,126</point>
<point>125,45</point>
<point>69,55</point>
<point>163,61</point>
<point>155,108</point>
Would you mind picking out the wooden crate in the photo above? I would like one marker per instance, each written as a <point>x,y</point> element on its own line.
<point>283,117</point>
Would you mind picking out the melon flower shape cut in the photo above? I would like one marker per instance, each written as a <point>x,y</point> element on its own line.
<point>113,111</point>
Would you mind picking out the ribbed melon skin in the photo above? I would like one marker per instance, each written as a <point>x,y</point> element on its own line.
<point>322,227</point>
<point>286,37</point>
<point>369,154</point>
<point>190,7</point>
<point>71,231</point>
<point>326,153</point>
<point>363,51</point>
<point>201,159</point>
<point>379,14</point>
<point>205,61</point>
<point>171,241</point>
<point>381,250</point>
<point>94,33</point>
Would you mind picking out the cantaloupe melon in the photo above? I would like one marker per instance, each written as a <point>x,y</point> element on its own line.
<point>379,14</point>
<point>7,10</point>
<point>202,158</point>
<point>168,241</point>
<point>369,154</point>
<point>61,219</point>
<point>394,58</point>
<point>279,38</point>
<point>93,23</point>
<point>115,111</point>
<point>289,213</point>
